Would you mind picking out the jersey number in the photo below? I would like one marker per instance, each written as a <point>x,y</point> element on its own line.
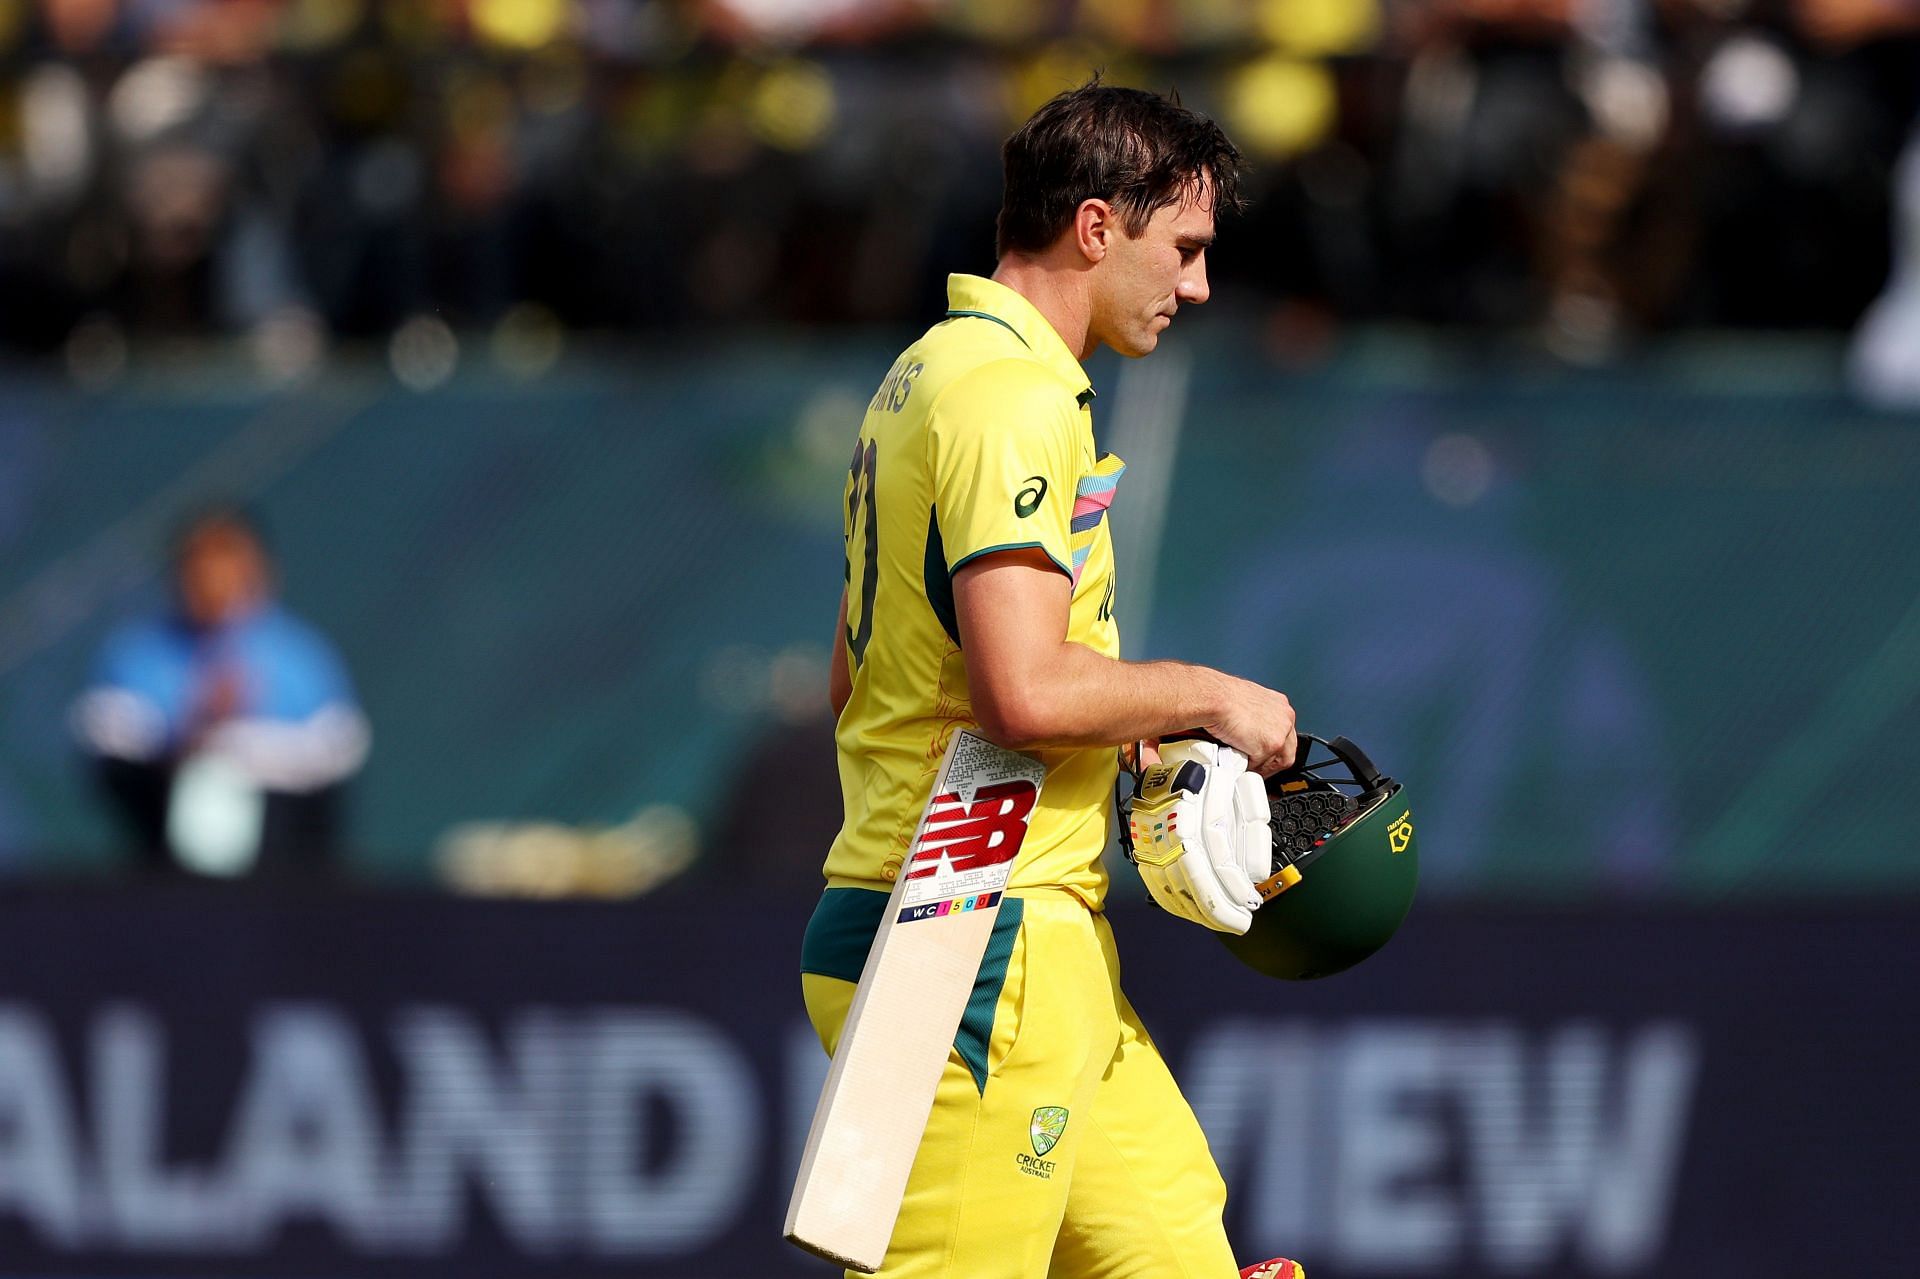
<point>863,466</point>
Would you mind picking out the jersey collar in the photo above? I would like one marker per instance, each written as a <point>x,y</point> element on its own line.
<point>990,300</point>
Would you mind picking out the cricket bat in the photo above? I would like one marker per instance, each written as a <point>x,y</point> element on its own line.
<point>913,991</point>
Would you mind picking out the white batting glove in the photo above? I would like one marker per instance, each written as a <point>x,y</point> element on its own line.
<point>1201,834</point>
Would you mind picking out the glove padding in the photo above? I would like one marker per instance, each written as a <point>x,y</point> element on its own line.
<point>1202,837</point>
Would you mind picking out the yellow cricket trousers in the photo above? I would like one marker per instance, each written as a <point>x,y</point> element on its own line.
<point>1059,1144</point>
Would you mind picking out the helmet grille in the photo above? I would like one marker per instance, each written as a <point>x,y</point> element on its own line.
<point>1303,817</point>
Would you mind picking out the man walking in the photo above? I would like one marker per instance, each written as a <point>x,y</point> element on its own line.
<point>980,592</point>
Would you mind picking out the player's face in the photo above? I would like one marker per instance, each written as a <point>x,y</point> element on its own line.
<point>222,573</point>
<point>1145,279</point>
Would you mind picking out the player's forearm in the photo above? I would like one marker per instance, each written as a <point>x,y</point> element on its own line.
<point>1077,697</point>
<point>1030,687</point>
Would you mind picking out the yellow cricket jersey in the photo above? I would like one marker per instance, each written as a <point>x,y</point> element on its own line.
<point>980,439</point>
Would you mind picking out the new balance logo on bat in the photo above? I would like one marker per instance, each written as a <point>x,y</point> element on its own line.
<point>969,836</point>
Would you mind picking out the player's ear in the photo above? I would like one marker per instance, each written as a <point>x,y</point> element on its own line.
<point>1094,226</point>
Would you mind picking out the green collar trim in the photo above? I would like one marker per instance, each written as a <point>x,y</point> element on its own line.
<point>1084,399</point>
<point>988,315</point>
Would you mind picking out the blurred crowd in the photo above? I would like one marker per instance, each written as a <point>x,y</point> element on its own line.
<point>301,172</point>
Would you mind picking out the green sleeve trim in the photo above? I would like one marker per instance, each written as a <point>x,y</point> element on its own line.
<point>976,1024</point>
<point>984,315</point>
<point>1011,546</point>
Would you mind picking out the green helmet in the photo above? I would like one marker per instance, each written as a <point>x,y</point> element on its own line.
<point>1345,865</point>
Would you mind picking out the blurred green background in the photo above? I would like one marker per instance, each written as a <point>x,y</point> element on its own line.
<point>1649,631</point>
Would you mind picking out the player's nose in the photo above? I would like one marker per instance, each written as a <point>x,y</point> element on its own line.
<point>1193,284</point>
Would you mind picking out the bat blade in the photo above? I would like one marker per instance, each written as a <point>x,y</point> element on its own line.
<point>913,991</point>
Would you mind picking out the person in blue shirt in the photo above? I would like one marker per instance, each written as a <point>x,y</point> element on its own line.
<point>223,730</point>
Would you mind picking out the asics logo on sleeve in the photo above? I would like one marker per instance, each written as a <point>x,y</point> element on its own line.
<point>1028,499</point>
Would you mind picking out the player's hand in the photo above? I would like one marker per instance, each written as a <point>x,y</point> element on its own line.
<point>1201,834</point>
<point>1257,722</point>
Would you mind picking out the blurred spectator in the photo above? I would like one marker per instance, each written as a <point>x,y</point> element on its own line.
<point>1885,359</point>
<point>223,731</point>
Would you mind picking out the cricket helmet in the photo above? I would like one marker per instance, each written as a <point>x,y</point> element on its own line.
<point>1345,865</point>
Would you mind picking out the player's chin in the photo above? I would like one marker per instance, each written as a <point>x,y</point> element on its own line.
<point>1141,344</point>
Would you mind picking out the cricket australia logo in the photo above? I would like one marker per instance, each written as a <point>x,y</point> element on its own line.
<point>1400,834</point>
<point>1048,1123</point>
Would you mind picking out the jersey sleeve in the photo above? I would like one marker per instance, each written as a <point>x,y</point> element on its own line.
<point>1003,459</point>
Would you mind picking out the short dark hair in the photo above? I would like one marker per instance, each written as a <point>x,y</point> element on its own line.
<point>1136,150</point>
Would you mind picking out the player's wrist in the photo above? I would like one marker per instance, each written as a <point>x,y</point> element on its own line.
<point>1215,698</point>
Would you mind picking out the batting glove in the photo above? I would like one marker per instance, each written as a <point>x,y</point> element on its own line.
<point>1201,834</point>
